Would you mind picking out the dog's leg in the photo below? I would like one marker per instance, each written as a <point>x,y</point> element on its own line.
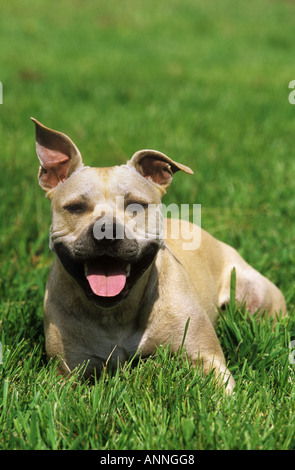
<point>251,287</point>
<point>222,373</point>
<point>211,357</point>
<point>202,347</point>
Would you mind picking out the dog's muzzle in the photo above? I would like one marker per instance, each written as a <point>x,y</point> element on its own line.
<point>107,263</point>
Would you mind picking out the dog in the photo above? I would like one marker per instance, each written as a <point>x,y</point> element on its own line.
<point>115,290</point>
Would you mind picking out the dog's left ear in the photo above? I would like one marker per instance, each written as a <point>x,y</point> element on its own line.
<point>157,167</point>
<point>58,155</point>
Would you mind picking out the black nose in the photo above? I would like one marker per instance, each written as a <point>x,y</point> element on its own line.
<point>108,229</point>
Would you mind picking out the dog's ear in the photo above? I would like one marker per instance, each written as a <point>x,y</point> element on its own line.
<point>58,156</point>
<point>157,167</point>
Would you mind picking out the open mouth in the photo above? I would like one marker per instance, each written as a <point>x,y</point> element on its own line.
<point>109,280</point>
<point>107,277</point>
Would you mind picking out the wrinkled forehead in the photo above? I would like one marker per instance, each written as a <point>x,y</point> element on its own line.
<point>107,183</point>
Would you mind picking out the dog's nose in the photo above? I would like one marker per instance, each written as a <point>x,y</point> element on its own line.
<point>107,229</point>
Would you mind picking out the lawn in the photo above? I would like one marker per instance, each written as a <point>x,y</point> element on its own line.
<point>205,82</point>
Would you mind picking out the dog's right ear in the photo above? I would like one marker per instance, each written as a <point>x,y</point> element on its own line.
<point>58,155</point>
<point>157,167</point>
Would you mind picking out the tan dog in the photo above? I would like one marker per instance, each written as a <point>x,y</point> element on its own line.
<point>117,286</point>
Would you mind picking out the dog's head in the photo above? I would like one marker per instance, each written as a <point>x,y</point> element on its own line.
<point>106,222</point>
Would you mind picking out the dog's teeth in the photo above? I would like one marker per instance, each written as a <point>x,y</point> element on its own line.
<point>127,269</point>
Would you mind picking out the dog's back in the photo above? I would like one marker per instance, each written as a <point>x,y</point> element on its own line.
<point>210,264</point>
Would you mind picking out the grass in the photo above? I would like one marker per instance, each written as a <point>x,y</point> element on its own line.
<point>208,85</point>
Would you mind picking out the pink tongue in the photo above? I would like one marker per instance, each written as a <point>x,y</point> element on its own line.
<point>106,280</point>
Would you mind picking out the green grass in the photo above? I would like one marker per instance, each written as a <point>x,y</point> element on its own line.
<point>206,83</point>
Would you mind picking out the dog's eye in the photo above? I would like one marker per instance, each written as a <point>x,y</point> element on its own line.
<point>76,207</point>
<point>136,205</point>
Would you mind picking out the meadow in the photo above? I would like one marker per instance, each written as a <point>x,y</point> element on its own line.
<point>205,82</point>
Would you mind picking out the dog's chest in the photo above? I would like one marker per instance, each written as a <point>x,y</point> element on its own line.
<point>114,347</point>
